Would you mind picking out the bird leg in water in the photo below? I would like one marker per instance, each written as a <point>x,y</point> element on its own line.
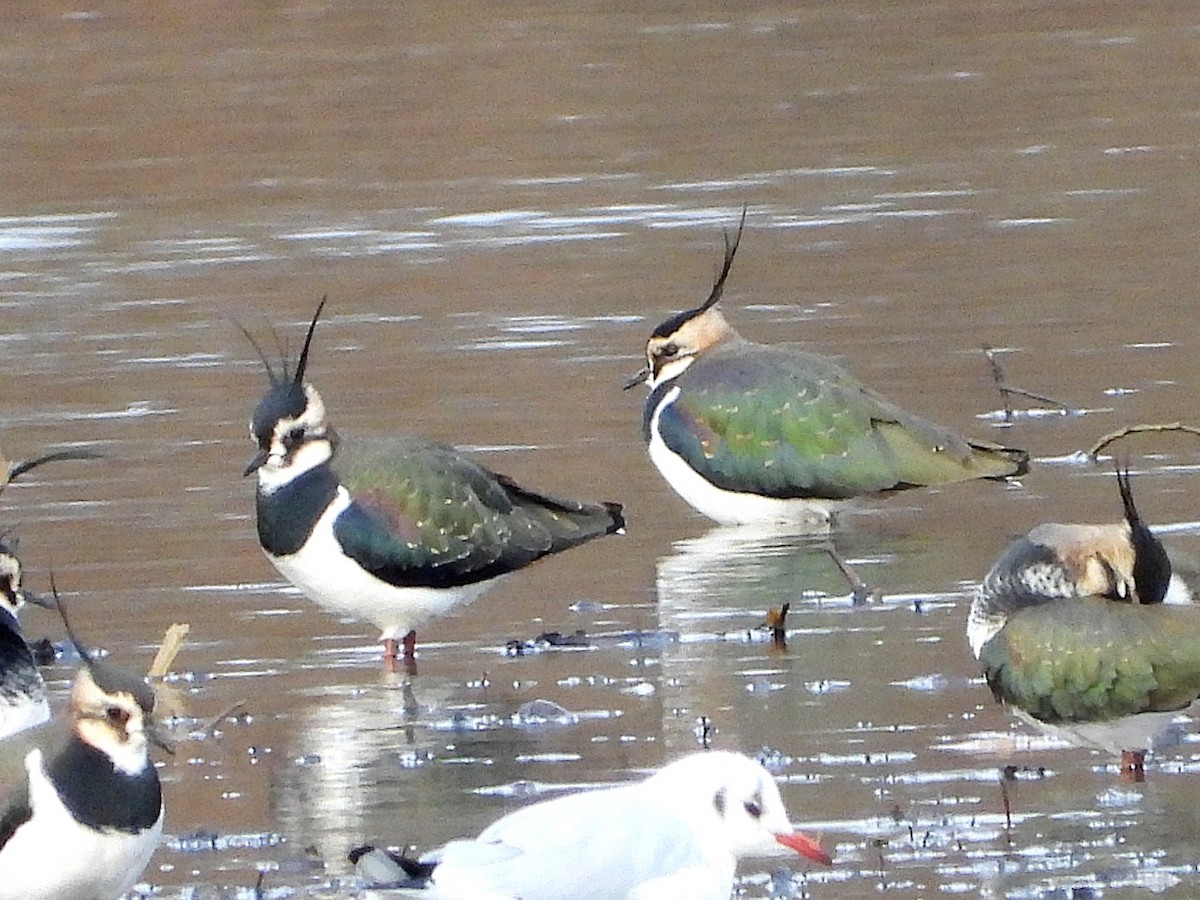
<point>391,647</point>
<point>391,653</point>
<point>1007,774</point>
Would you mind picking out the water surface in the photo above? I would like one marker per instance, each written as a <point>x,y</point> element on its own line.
<point>500,203</point>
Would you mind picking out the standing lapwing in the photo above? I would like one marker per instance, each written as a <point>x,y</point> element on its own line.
<point>750,433</point>
<point>1087,632</point>
<point>395,531</point>
<point>88,816</point>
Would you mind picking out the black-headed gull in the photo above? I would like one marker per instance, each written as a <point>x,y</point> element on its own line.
<point>677,834</point>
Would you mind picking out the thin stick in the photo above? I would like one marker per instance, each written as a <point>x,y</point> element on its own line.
<point>1007,390</point>
<point>998,379</point>
<point>860,591</point>
<point>1138,429</point>
<point>168,650</point>
<point>210,725</point>
<point>777,622</point>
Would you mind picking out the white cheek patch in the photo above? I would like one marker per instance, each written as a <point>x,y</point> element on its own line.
<point>279,469</point>
<point>673,369</point>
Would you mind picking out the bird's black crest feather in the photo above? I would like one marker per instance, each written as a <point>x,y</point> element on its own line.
<point>676,321</point>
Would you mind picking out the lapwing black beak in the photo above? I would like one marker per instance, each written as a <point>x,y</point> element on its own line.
<point>155,736</point>
<point>256,463</point>
<point>38,600</point>
<point>639,378</point>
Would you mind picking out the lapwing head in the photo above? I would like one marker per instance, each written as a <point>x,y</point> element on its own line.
<point>12,597</point>
<point>677,342</point>
<point>112,709</point>
<point>1123,562</point>
<point>289,424</point>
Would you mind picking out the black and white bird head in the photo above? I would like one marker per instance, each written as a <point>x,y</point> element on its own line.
<point>676,343</point>
<point>733,800</point>
<point>1123,562</point>
<point>289,424</point>
<point>112,710</point>
<point>12,597</point>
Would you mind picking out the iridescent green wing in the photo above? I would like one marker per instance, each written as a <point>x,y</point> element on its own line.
<point>789,424</point>
<point>1092,659</point>
<point>425,514</point>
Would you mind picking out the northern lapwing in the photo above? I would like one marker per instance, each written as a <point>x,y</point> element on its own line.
<point>23,701</point>
<point>395,531</point>
<point>678,833</point>
<point>757,433</point>
<point>1087,632</point>
<point>88,816</point>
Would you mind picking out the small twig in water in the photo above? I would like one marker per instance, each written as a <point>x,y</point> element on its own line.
<point>777,622</point>
<point>210,725</point>
<point>1158,428</point>
<point>860,592</point>
<point>1007,390</point>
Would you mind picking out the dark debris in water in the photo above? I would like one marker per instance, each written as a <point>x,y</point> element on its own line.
<point>580,640</point>
<point>211,841</point>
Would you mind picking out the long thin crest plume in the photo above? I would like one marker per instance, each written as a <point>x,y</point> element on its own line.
<point>730,251</point>
<point>1151,564</point>
<point>284,375</point>
<point>259,350</point>
<point>1131,513</point>
<point>302,363</point>
<point>62,614</point>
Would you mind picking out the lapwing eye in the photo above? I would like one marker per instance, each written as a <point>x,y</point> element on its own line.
<point>293,438</point>
<point>116,716</point>
<point>671,349</point>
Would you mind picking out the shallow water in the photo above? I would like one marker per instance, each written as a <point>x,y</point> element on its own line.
<point>500,205</point>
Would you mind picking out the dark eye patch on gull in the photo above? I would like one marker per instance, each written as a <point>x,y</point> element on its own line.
<point>719,802</point>
<point>754,806</point>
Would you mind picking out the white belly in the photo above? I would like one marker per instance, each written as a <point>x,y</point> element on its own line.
<point>53,857</point>
<point>330,578</point>
<point>1139,732</point>
<point>22,713</point>
<point>729,507</point>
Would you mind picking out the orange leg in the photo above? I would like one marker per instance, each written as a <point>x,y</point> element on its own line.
<point>391,653</point>
<point>391,647</point>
